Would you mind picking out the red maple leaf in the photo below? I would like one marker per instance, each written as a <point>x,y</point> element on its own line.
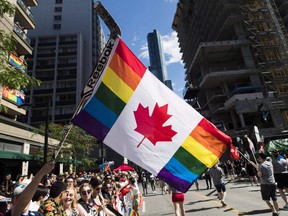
<point>151,127</point>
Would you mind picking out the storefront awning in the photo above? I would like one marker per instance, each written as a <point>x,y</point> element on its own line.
<point>16,156</point>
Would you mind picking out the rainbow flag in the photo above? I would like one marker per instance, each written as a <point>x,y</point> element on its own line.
<point>131,212</point>
<point>135,114</point>
<point>17,62</point>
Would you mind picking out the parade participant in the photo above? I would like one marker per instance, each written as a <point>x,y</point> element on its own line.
<point>98,198</point>
<point>178,201</point>
<point>70,205</point>
<point>39,197</point>
<point>52,206</point>
<point>136,195</point>
<point>24,195</point>
<point>86,200</point>
<point>280,166</point>
<point>217,176</point>
<point>208,179</point>
<point>268,184</point>
<point>152,182</point>
<point>252,172</point>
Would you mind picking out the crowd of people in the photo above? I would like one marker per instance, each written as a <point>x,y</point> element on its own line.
<point>104,193</point>
<point>110,193</point>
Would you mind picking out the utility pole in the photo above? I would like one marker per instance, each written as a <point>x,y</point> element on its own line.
<point>46,132</point>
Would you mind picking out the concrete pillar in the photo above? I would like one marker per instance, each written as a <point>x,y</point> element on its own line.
<point>61,168</point>
<point>25,164</point>
<point>242,120</point>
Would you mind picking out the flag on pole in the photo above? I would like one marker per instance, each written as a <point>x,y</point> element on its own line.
<point>251,145</point>
<point>234,154</point>
<point>135,114</point>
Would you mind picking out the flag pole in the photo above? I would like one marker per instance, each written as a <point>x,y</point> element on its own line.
<point>251,162</point>
<point>115,32</point>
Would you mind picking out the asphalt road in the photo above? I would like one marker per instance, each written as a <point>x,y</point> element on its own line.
<point>241,199</point>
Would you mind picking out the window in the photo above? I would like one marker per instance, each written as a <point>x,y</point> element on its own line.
<point>57,26</point>
<point>58,17</point>
<point>58,9</point>
<point>58,1</point>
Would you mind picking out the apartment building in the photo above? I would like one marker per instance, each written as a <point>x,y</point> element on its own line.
<point>19,143</point>
<point>67,43</point>
<point>235,56</point>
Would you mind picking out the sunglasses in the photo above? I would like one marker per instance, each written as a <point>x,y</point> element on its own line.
<point>84,192</point>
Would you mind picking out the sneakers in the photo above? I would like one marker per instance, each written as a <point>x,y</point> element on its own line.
<point>223,203</point>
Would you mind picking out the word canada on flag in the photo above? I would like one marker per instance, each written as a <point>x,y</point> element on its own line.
<point>136,115</point>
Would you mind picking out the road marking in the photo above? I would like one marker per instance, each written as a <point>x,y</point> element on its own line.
<point>219,204</point>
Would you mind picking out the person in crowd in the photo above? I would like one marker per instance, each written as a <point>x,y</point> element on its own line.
<point>280,166</point>
<point>52,206</point>
<point>252,173</point>
<point>152,183</point>
<point>7,185</point>
<point>39,197</point>
<point>178,201</point>
<point>144,183</point>
<point>268,184</point>
<point>231,169</point>
<point>21,200</point>
<point>196,184</point>
<point>107,193</point>
<point>69,181</point>
<point>98,199</point>
<point>136,195</point>
<point>217,175</point>
<point>208,179</point>
<point>86,200</point>
<point>163,186</point>
<point>70,205</point>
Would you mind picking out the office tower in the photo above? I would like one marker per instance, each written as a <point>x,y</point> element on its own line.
<point>235,55</point>
<point>156,57</point>
<point>67,44</point>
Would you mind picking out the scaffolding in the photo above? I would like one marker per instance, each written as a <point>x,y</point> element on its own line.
<point>268,38</point>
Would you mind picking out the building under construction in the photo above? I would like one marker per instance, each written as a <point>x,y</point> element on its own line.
<point>236,59</point>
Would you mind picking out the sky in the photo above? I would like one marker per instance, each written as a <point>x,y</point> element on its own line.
<point>136,18</point>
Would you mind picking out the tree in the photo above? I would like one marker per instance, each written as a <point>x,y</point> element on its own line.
<point>78,145</point>
<point>10,76</point>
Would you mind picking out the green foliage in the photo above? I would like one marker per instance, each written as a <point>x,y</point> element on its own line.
<point>6,7</point>
<point>78,144</point>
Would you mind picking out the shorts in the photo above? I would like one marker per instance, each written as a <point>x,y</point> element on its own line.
<point>268,191</point>
<point>220,188</point>
<point>282,180</point>
<point>178,197</point>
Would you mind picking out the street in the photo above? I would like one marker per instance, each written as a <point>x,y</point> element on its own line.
<point>241,199</point>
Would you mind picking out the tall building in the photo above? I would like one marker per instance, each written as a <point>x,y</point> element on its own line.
<point>156,57</point>
<point>235,55</point>
<point>19,142</point>
<point>67,43</point>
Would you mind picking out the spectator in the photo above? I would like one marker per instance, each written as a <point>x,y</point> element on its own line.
<point>22,199</point>
<point>70,205</point>
<point>52,206</point>
<point>69,181</point>
<point>208,179</point>
<point>86,200</point>
<point>39,197</point>
<point>7,186</point>
<point>268,184</point>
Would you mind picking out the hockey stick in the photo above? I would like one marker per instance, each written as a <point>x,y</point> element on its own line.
<point>98,70</point>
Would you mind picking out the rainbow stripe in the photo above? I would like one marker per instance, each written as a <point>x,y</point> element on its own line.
<point>131,212</point>
<point>201,150</point>
<point>123,74</point>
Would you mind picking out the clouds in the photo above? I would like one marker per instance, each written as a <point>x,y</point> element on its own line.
<point>170,48</point>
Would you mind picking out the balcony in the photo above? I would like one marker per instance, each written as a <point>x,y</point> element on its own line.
<point>23,42</point>
<point>242,97</point>
<point>24,16</point>
<point>31,2</point>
